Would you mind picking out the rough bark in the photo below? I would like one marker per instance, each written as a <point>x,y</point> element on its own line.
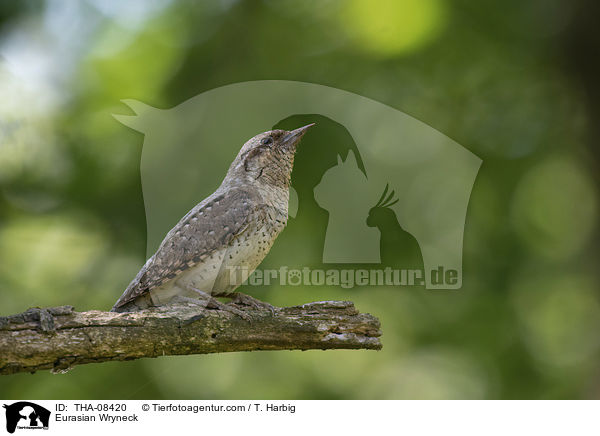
<point>59,338</point>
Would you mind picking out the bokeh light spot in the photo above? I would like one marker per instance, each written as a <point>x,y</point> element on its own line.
<point>560,316</point>
<point>555,208</point>
<point>389,28</point>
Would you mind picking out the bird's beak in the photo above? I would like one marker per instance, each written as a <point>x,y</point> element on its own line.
<point>293,137</point>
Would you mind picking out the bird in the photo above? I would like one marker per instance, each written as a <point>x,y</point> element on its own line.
<point>229,232</point>
<point>397,247</point>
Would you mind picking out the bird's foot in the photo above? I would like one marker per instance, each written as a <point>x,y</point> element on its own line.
<point>212,303</point>
<point>216,304</point>
<point>247,300</point>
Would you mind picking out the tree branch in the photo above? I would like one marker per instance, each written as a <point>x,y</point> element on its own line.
<point>59,338</point>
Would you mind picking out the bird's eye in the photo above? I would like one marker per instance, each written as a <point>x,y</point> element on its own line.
<point>266,141</point>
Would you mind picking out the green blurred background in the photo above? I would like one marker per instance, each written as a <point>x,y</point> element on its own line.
<point>514,82</point>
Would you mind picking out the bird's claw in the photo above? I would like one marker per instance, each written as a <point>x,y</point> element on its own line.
<point>212,304</point>
<point>247,300</point>
<point>238,312</point>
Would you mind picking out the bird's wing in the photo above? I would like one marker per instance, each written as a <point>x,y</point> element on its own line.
<point>209,226</point>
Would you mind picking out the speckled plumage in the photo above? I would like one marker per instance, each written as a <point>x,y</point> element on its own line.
<point>234,227</point>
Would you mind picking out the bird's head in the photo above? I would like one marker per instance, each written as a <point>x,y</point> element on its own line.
<point>382,213</point>
<point>268,157</point>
